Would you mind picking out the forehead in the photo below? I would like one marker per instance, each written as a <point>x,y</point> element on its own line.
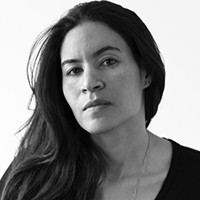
<point>90,36</point>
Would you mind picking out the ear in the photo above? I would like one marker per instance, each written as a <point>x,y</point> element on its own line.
<point>146,79</point>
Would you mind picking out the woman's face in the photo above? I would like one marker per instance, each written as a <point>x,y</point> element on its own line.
<point>101,80</point>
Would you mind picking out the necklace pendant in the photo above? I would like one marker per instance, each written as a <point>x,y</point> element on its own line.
<point>134,195</point>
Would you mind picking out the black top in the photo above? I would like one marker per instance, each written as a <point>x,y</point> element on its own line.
<point>182,181</point>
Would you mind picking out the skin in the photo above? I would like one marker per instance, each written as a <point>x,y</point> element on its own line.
<point>118,128</point>
<point>117,70</point>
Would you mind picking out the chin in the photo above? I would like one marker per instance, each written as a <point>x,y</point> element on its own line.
<point>97,127</point>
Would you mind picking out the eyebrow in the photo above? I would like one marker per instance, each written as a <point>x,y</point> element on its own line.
<point>95,54</point>
<point>103,49</point>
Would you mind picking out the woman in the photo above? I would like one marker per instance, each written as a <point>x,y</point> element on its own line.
<point>97,79</point>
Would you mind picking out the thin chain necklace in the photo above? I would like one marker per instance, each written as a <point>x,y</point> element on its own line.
<point>142,170</point>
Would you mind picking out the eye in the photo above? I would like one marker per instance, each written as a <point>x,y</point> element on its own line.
<point>74,71</point>
<point>109,62</point>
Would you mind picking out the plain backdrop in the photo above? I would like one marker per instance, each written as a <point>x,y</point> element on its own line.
<point>175,26</point>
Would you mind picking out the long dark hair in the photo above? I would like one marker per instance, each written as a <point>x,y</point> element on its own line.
<point>57,159</point>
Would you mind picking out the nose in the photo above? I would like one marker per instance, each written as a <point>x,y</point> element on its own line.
<point>92,81</point>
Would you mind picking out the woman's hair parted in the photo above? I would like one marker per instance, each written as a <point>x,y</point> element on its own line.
<point>57,159</point>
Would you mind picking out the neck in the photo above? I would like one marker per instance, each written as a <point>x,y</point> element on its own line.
<point>124,149</point>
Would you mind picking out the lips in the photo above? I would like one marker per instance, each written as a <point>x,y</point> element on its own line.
<point>97,102</point>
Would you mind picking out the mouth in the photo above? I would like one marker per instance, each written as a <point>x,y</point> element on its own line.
<point>96,103</point>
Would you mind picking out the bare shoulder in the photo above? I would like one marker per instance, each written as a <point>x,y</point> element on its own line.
<point>159,165</point>
<point>161,154</point>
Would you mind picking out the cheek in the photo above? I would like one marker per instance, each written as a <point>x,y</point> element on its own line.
<point>126,83</point>
<point>70,93</point>
<point>128,90</point>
